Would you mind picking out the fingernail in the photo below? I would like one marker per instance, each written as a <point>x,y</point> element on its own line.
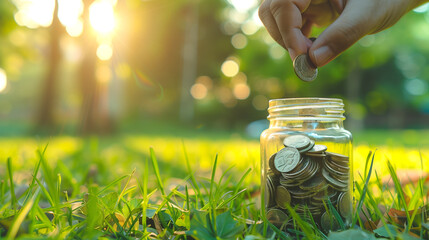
<point>322,55</point>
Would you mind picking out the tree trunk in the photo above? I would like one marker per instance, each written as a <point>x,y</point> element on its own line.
<point>353,86</point>
<point>189,74</point>
<point>92,117</point>
<point>45,114</point>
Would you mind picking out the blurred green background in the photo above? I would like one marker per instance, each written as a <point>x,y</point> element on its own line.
<point>191,67</point>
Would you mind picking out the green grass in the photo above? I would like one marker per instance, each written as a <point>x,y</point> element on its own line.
<point>140,187</point>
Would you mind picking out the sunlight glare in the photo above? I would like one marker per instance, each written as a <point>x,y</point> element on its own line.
<point>102,16</point>
<point>34,13</point>
<point>3,80</point>
<point>243,6</point>
<point>69,13</point>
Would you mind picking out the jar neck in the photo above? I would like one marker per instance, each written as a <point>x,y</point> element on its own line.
<point>308,113</point>
<point>305,124</point>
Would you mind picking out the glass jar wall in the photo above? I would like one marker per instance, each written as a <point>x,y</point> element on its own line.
<point>306,163</point>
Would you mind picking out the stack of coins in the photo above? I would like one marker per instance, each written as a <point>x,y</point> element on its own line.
<point>306,177</point>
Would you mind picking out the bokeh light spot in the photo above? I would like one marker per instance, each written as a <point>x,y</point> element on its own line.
<point>277,51</point>
<point>416,86</point>
<point>239,78</point>
<point>206,81</point>
<point>199,91</point>
<point>250,28</point>
<point>3,80</point>
<point>230,68</point>
<point>260,102</point>
<point>239,41</point>
<point>241,91</point>
<point>104,52</point>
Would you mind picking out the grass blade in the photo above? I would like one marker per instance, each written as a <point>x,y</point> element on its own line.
<point>191,173</point>
<point>156,169</point>
<point>125,188</point>
<point>12,186</point>
<point>212,178</point>
<point>400,192</point>
<point>20,217</point>
<point>365,189</point>
<point>111,184</point>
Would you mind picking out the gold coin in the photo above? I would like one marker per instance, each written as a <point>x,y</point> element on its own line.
<point>286,159</point>
<point>304,69</point>
<point>329,223</point>
<point>345,205</point>
<point>277,217</point>
<point>313,184</point>
<point>337,157</point>
<point>336,184</point>
<point>282,197</point>
<point>271,164</point>
<point>269,193</point>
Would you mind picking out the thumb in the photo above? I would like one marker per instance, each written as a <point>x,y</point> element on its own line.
<point>346,30</point>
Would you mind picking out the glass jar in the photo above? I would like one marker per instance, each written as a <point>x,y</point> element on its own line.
<point>306,163</point>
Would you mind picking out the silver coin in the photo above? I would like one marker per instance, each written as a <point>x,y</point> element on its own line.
<point>304,69</point>
<point>318,149</point>
<point>297,141</point>
<point>305,150</point>
<point>287,159</point>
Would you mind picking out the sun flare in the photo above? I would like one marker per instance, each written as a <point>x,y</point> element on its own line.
<point>102,17</point>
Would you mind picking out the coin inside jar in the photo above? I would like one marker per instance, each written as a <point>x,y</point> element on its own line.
<point>297,141</point>
<point>304,69</point>
<point>306,177</point>
<point>277,217</point>
<point>282,197</point>
<point>286,159</point>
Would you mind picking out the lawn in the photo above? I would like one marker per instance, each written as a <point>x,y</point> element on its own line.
<point>117,187</point>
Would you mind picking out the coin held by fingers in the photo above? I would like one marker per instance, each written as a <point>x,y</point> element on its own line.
<point>304,68</point>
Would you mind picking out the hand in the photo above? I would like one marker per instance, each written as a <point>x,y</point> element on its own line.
<point>289,22</point>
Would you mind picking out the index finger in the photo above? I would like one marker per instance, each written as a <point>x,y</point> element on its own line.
<point>288,16</point>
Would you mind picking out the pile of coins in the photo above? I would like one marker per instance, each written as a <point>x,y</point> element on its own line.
<point>306,177</point>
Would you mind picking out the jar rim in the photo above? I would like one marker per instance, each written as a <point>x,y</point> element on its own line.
<point>284,101</point>
<point>308,107</point>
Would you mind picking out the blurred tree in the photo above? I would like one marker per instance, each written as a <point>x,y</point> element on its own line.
<point>93,117</point>
<point>45,115</point>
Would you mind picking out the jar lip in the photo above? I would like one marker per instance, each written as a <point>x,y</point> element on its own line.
<point>306,108</point>
<point>305,100</point>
